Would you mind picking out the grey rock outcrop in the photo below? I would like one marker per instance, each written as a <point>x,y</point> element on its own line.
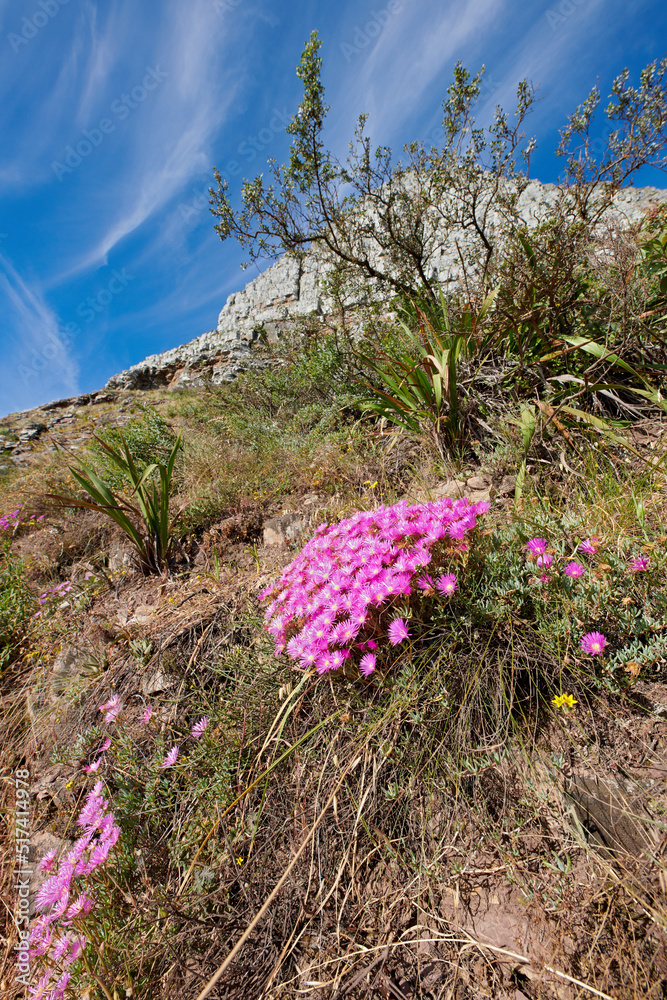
<point>289,290</point>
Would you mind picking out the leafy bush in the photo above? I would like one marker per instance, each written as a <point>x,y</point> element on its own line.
<point>382,223</point>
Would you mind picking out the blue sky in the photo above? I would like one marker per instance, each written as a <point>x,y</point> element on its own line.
<point>113,113</point>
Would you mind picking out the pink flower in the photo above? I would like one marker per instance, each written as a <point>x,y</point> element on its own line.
<point>536,546</point>
<point>41,936</point>
<point>447,584</point>
<point>46,864</point>
<point>80,846</point>
<point>171,757</point>
<point>99,855</point>
<point>58,990</point>
<point>93,807</point>
<point>545,560</point>
<point>573,570</point>
<point>38,992</point>
<point>638,565</point>
<point>81,905</point>
<point>425,582</point>
<point>593,643</point>
<point>111,707</point>
<point>60,946</point>
<point>199,728</point>
<point>308,659</point>
<point>89,768</point>
<point>147,714</point>
<point>52,891</point>
<point>367,664</point>
<point>587,547</point>
<point>296,647</point>
<point>545,578</point>
<point>105,746</point>
<point>324,663</point>
<point>346,631</point>
<point>337,659</point>
<point>76,948</point>
<point>398,631</point>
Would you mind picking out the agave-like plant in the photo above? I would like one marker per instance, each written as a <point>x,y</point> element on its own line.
<point>147,522</point>
<point>427,392</point>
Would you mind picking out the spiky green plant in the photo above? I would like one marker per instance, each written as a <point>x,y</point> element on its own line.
<point>426,393</point>
<point>147,522</point>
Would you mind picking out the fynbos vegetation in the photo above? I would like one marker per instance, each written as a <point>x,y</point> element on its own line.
<point>366,695</point>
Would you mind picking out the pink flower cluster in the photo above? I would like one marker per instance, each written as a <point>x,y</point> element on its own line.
<point>100,833</point>
<point>12,519</point>
<point>538,547</point>
<point>328,592</point>
<point>57,591</point>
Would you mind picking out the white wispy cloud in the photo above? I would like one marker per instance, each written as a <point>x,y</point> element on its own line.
<point>101,52</point>
<point>397,73</point>
<point>37,361</point>
<point>172,144</point>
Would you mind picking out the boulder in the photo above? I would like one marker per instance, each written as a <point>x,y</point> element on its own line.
<point>284,529</point>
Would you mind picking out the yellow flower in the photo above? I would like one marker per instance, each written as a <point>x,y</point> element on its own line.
<point>565,701</point>
<point>239,861</point>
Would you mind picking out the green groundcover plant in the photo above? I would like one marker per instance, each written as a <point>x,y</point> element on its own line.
<point>361,581</point>
<point>16,599</point>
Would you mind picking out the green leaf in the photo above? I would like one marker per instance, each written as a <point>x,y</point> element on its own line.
<point>592,347</point>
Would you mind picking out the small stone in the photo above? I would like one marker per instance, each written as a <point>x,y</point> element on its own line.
<point>507,486</point>
<point>479,483</point>
<point>283,529</point>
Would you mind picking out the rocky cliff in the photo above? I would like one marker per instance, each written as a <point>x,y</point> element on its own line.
<point>289,290</point>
